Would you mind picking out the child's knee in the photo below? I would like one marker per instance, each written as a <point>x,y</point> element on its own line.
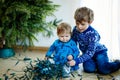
<point>89,66</point>
<point>89,69</point>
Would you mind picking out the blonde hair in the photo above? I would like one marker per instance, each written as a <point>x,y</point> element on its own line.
<point>84,14</point>
<point>63,27</point>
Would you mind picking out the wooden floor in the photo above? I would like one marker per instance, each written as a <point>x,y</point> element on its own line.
<point>8,66</point>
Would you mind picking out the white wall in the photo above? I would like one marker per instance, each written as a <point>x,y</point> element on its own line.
<point>66,13</point>
<point>119,22</point>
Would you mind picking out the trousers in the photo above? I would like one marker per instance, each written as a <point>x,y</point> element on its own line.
<point>100,63</point>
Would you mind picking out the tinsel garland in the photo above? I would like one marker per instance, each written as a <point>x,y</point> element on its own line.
<point>42,69</point>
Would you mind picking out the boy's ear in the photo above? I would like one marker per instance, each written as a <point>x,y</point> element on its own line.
<point>90,22</point>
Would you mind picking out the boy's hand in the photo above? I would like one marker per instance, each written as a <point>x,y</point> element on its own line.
<point>70,57</point>
<point>72,62</point>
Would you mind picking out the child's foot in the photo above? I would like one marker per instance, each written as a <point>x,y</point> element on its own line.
<point>117,61</point>
<point>66,75</point>
<point>66,71</point>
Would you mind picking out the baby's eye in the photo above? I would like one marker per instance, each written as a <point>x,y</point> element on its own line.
<point>82,24</point>
<point>61,36</point>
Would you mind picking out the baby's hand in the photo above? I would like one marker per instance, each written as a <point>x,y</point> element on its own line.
<point>70,57</point>
<point>72,62</point>
<point>46,58</point>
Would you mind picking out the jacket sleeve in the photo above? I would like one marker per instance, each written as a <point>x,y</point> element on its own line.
<point>51,50</point>
<point>90,51</point>
<point>76,50</point>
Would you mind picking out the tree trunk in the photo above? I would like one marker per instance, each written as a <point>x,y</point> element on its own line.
<point>1,42</point>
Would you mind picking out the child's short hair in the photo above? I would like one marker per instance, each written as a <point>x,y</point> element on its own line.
<point>84,14</point>
<point>63,27</point>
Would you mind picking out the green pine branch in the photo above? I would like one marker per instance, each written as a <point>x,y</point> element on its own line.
<point>20,20</point>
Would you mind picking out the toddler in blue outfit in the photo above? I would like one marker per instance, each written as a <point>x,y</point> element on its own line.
<point>64,49</point>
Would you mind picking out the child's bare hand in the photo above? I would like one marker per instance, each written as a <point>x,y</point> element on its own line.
<point>70,57</point>
<point>72,62</point>
<point>46,58</point>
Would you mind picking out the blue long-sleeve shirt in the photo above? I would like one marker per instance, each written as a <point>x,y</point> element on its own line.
<point>61,50</point>
<point>88,41</point>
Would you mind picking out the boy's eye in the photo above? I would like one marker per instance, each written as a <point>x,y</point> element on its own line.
<point>63,36</point>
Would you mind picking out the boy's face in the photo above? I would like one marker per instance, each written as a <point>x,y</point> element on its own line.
<point>64,37</point>
<point>82,26</point>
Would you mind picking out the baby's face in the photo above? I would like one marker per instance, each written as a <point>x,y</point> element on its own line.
<point>82,26</point>
<point>64,37</point>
